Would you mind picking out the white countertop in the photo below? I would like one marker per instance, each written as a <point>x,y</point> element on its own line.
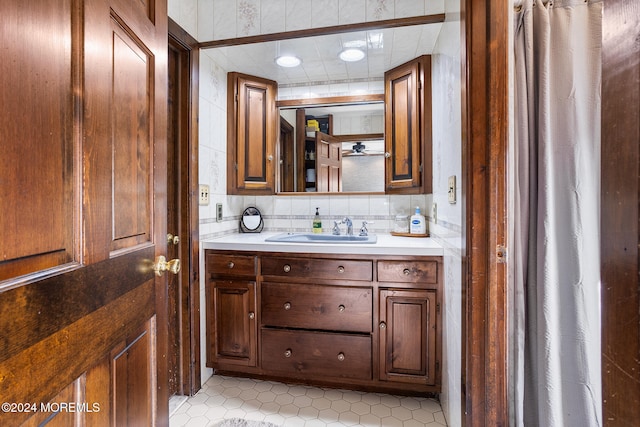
<point>385,245</point>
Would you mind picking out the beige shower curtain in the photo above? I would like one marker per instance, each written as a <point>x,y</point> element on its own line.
<point>556,371</point>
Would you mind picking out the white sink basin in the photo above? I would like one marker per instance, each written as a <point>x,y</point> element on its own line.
<point>320,238</point>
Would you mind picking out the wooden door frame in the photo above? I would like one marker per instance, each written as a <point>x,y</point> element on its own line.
<point>485,117</point>
<point>189,215</point>
<point>620,194</point>
<point>485,122</point>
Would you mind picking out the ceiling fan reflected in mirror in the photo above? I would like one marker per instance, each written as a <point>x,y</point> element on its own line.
<point>359,149</point>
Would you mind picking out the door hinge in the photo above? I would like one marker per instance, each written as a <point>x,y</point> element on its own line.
<point>437,365</point>
<point>501,254</point>
<point>438,307</point>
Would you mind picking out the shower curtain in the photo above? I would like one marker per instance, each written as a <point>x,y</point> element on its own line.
<point>556,371</point>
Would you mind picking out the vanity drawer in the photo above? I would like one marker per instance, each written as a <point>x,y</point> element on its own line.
<point>332,269</point>
<point>231,265</point>
<point>408,271</point>
<point>316,354</point>
<point>333,308</point>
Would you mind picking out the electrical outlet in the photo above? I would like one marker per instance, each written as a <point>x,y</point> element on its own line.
<point>204,195</point>
<point>452,189</point>
<point>218,212</point>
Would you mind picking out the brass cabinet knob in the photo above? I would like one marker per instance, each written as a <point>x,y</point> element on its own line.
<point>287,306</point>
<point>288,352</point>
<point>406,271</point>
<point>286,268</point>
<point>383,325</point>
<point>341,356</point>
<point>172,240</point>
<point>161,265</point>
<point>252,315</point>
<point>231,264</point>
<point>340,269</point>
<point>387,154</point>
<point>341,308</point>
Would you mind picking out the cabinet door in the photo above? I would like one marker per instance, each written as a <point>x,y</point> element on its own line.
<point>408,127</point>
<point>252,133</point>
<point>232,313</point>
<point>328,163</point>
<point>408,336</point>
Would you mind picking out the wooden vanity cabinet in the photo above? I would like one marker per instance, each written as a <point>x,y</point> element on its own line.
<point>231,310</point>
<point>363,321</point>
<point>408,139</point>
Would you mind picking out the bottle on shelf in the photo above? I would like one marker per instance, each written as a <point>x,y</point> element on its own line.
<point>417,225</point>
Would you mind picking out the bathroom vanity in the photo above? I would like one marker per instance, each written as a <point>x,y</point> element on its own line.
<point>362,317</point>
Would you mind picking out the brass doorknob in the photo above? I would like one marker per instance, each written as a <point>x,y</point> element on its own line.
<point>161,265</point>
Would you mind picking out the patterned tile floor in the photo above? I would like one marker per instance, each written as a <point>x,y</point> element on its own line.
<point>302,406</point>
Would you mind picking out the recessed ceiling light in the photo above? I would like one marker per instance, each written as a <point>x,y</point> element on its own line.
<point>351,55</point>
<point>288,61</point>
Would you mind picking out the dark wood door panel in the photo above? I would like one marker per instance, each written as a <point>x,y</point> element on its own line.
<point>36,372</point>
<point>133,368</point>
<point>132,118</point>
<point>37,191</point>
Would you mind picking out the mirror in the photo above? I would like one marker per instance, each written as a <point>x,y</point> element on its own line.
<point>359,132</point>
<point>321,74</point>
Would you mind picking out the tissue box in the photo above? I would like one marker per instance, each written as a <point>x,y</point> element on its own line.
<point>313,124</point>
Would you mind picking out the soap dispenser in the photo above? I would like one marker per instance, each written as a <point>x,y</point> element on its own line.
<point>417,224</point>
<point>317,223</point>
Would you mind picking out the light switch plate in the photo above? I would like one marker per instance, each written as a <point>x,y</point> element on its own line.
<point>452,189</point>
<point>204,195</point>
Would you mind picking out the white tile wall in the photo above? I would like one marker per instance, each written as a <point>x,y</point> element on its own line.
<point>447,161</point>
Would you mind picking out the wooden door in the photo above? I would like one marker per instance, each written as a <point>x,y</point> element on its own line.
<point>82,313</point>
<point>408,127</point>
<point>408,336</point>
<point>252,132</point>
<point>287,154</point>
<point>328,163</point>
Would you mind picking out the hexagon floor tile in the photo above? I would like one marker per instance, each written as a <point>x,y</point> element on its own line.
<point>301,406</point>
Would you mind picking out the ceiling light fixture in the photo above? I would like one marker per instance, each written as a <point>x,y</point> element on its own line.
<point>288,61</point>
<point>351,55</point>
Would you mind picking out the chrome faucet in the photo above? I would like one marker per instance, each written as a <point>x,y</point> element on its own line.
<point>363,229</point>
<point>347,221</point>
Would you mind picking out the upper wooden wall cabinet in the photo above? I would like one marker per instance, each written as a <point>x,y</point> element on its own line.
<point>252,131</point>
<point>407,125</point>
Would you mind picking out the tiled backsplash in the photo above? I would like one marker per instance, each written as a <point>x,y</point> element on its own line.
<point>295,213</point>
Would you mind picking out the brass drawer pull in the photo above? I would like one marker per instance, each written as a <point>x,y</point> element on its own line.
<point>341,357</point>
<point>287,306</point>
<point>252,315</point>
<point>288,353</point>
<point>231,264</point>
<point>341,308</point>
<point>383,325</point>
<point>406,271</point>
<point>340,269</point>
<point>287,268</point>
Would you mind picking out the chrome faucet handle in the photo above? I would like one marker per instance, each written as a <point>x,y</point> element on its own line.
<point>363,230</point>
<point>336,228</point>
